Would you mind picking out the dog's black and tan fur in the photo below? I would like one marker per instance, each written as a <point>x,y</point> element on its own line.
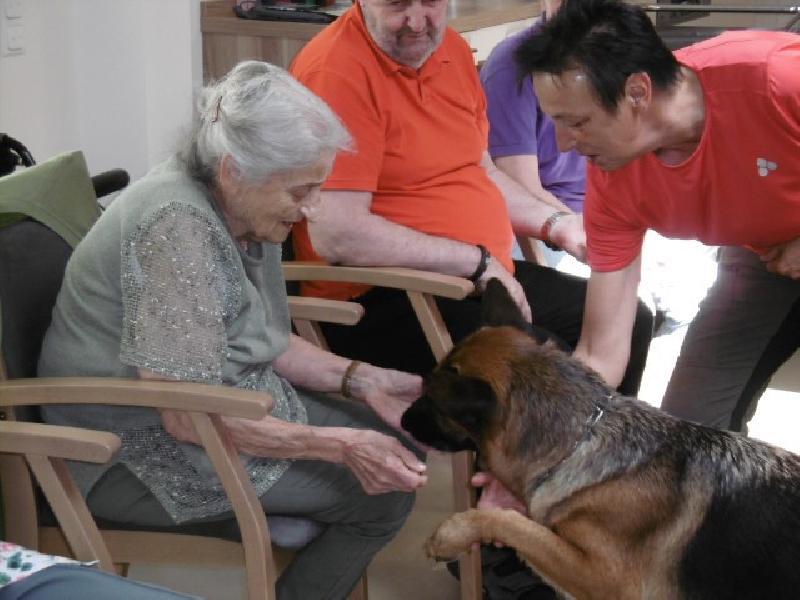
<point>624,501</point>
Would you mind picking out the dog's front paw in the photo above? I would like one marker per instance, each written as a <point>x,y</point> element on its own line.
<point>454,536</point>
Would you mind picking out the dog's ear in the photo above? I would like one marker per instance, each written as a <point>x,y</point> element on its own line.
<point>499,309</point>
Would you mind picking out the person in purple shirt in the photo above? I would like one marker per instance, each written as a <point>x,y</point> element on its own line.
<point>522,139</point>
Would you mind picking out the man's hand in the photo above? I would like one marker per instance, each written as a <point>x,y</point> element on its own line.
<point>568,234</point>
<point>784,259</point>
<point>495,494</point>
<point>381,463</point>
<point>497,270</point>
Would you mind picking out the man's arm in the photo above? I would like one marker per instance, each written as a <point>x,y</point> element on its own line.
<point>529,211</point>
<point>608,317</point>
<point>524,169</point>
<point>345,231</point>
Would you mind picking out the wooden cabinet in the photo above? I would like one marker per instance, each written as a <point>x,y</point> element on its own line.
<point>228,39</point>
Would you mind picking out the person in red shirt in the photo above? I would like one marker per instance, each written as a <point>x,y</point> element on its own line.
<point>421,191</point>
<point>701,144</point>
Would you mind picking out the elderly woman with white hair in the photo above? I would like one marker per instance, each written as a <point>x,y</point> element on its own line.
<point>181,279</point>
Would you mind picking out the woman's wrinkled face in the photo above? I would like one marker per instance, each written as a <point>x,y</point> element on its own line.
<point>266,212</point>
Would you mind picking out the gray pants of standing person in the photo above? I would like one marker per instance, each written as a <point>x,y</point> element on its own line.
<point>747,326</point>
<point>357,524</point>
<point>75,582</point>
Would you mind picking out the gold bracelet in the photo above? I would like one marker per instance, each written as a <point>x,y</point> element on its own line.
<point>347,379</point>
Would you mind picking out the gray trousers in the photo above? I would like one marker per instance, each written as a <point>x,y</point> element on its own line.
<point>357,524</point>
<point>747,326</point>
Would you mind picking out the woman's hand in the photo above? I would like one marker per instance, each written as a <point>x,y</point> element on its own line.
<point>498,271</point>
<point>381,463</point>
<point>389,393</point>
<point>179,425</point>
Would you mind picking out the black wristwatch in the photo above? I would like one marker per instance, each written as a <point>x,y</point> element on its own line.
<point>486,258</point>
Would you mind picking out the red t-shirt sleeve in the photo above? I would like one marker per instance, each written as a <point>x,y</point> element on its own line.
<point>613,238</point>
<point>353,98</point>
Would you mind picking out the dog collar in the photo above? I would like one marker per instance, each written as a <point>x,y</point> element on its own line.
<point>597,413</point>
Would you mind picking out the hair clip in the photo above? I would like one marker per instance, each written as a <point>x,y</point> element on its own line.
<point>215,118</point>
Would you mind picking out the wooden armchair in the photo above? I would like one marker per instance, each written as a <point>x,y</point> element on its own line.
<point>205,405</point>
<point>532,250</point>
<point>44,448</point>
<point>422,288</point>
<point>78,533</point>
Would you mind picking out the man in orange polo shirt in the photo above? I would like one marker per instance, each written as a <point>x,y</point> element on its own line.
<point>419,190</point>
<point>702,144</point>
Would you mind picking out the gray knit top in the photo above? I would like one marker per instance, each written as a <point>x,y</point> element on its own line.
<point>159,283</point>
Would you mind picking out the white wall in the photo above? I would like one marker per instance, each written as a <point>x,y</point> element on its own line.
<point>113,78</point>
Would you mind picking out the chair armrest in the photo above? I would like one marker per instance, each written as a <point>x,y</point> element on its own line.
<point>177,395</point>
<point>426,282</point>
<point>73,443</point>
<point>204,405</point>
<point>326,311</point>
<point>532,250</point>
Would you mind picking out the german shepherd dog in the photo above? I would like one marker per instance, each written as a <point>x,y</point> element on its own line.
<point>624,501</point>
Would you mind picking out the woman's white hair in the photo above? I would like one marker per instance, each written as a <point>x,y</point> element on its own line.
<point>265,120</point>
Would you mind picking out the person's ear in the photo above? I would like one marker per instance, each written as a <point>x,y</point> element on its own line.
<point>228,176</point>
<point>639,90</point>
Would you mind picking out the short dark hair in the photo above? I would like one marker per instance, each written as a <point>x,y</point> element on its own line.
<point>608,40</point>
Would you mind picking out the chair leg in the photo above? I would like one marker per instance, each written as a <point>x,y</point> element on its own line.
<point>464,498</point>
<point>360,591</point>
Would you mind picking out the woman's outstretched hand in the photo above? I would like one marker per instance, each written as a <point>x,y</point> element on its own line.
<point>381,463</point>
<point>389,393</point>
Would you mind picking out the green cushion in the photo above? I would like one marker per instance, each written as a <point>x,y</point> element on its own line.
<point>57,193</point>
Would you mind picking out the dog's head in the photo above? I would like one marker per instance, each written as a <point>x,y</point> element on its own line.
<point>503,381</point>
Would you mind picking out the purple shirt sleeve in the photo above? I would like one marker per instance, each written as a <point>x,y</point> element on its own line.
<point>517,125</point>
<point>512,108</point>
